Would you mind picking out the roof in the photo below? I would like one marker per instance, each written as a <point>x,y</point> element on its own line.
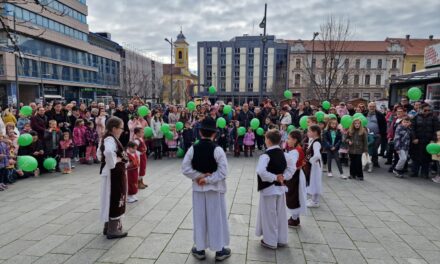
<point>180,38</point>
<point>414,47</point>
<point>350,46</point>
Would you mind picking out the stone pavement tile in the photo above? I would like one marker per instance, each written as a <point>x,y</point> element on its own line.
<point>258,253</point>
<point>430,233</point>
<point>72,228</point>
<point>210,259</point>
<point>152,246</point>
<point>101,242</point>
<point>181,242</point>
<point>52,259</point>
<point>384,234</point>
<point>290,255</point>
<point>45,246</point>
<point>20,259</point>
<point>155,215</point>
<point>388,217</point>
<point>171,222</point>
<point>345,256</point>
<point>311,235</point>
<point>372,250</point>
<point>323,215</point>
<point>14,234</point>
<point>187,223</point>
<point>236,229</point>
<point>238,244</point>
<point>410,261</point>
<point>361,210</point>
<point>432,257</point>
<point>85,256</point>
<point>377,207</point>
<point>42,232</point>
<point>399,249</point>
<point>74,244</point>
<point>167,203</point>
<point>333,227</point>
<point>121,250</point>
<point>338,240</point>
<point>433,219</point>
<point>243,209</point>
<point>67,218</point>
<point>142,228</point>
<point>371,221</point>
<point>139,261</point>
<point>294,241</point>
<point>437,243</point>
<point>239,218</point>
<point>315,252</point>
<point>419,242</point>
<point>349,221</point>
<point>381,261</point>
<point>171,258</point>
<point>15,248</point>
<point>414,220</point>
<point>401,228</point>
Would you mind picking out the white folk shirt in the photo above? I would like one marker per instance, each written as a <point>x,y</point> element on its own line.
<point>215,182</point>
<point>270,177</point>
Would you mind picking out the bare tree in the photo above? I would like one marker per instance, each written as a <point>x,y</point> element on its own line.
<point>328,80</point>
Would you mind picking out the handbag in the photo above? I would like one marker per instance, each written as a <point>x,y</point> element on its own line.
<point>366,159</point>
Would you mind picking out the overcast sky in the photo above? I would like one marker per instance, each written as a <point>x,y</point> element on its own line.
<point>144,24</point>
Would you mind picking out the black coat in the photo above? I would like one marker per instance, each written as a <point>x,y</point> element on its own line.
<point>425,128</point>
<point>245,118</point>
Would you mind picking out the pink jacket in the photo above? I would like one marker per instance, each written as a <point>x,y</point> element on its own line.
<point>249,139</point>
<point>79,136</point>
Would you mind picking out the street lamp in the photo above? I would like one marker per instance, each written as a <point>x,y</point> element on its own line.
<point>171,68</point>
<point>312,77</point>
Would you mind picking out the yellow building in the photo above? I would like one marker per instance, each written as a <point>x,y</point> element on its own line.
<point>183,79</point>
<point>414,52</point>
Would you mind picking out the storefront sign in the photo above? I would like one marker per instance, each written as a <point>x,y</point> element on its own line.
<point>432,55</point>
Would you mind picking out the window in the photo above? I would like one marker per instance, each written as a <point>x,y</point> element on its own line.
<point>237,74</point>
<point>26,15</point>
<point>223,50</point>
<point>297,79</point>
<point>356,80</point>
<point>346,64</point>
<point>368,64</point>
<point>251,50</point>
<point>377,96</point>
<point>313,63</point>
<point>394,65</point>
<point>250,74</point>
<point>366,96</point>
<point>298,64</point>
<point>236,87</point>
<point>324,63</point>
<point>358,64</point>
<point>223,61</point>
<point>222,74</point>
<point>355,95</point>
<point>379,63</point>
<point>367,79</point>
<point>208,73</point>
<point>378,79</point>
<point>33,17</point>
<point>251,62</point>
<point>250,87</point>
<point>180,55</point>
<point>345,79</point>
<point>413,68</point>
<point>208,61</point>
<point>237,50</point>
<point>208,50</point>
<point>336,63</point>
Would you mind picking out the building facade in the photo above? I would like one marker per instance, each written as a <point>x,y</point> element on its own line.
<point>361,70</point>
<point>57,55</point>
<point>178,72</point>
<point>234,67</point>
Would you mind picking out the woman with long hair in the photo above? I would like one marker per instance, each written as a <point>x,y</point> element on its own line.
<point>113,179</point>
<point>357,140</point>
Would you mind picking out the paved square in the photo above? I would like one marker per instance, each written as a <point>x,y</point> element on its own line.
<point>54,219</point>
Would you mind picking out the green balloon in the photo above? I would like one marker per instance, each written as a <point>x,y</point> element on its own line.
<point>26,110</point>
<point>180,153</point>
<point>148,132</point>
<point>50,163</point>
<point>212,89</point>
<point>364,121</point>
<point>221,122</point>
<point>357,115</point>
<point>320,116</point>
<point>332,116</point>
<point>433,148</point>
<point>346,121</point>
<point>326,105</point>
<point>165,128</point>
<point>196,142</point>
<point>191,106</point>
<point>27,163</point>
<point>179,126</point>
<point>227,109</point>
<point>255,123</point>
<point>303,122</point>
<point>288,94</point>
<point>143,111</point>
<point>290,128</point>
<point>241,131</point>
<point>169,135</point>
<point>414,93</point>
<point>260,131</point>
<point>24,140</point>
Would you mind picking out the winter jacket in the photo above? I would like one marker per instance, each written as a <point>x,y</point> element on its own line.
<point>52,140</point>
<point>359,143</point>
<point>245,118</point>
<point>91,137</point>
<point>402,138</point>
<point>38,124</point>
<point>65,149</point>
<point>327,140</point>
<point>156,125</point>
<point>425,128</point>
<point>79,134</point>
<point>22,121</point>
<point>249,139</point>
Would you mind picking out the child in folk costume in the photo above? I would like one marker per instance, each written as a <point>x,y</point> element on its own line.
<point>142,149</point>
<point>313,157</point>
<point>273,169</point>
<point>132,172</point>
<point>297,195</point>
<point>113,178</point>
<point>206,165</point>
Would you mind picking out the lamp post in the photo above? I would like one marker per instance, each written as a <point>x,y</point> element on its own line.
<point>312,68</point>
<point>263,25</point>
<point>171,68</point>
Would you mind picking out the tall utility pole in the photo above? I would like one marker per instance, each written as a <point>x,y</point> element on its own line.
<point>16,50</point>
<point>263,40</point>
<point>171,69</point>
<point>312,68</point>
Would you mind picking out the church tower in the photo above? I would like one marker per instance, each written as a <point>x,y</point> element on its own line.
<point>181,52</point>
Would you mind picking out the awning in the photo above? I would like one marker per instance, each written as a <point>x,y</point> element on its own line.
<point>418,75</point>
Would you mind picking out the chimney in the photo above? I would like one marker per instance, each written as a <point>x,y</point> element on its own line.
<point>431,37</point>
<point>407,37</point>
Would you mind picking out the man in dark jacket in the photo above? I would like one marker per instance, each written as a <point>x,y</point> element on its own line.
<point>125,136</point>
<point>39,123</point>
<point>425,126</point>
<point>377,125</point>
<point>245,116</point>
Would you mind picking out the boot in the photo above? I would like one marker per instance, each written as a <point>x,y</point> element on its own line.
<point>104,231</point>
<point>115,230</point>
<point>141,185</point>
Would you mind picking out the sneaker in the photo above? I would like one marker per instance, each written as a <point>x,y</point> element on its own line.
<point>267,245</point>
<point>131,199</point>
<point>436,179</point>
<point>398,174</point>
<point>293,223</point>
<point>329,174</point>
<point>312,204</point>
<point>223,254</point>
<point>281,245</point>
<point>344,177</point>
<point>198,254</point>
